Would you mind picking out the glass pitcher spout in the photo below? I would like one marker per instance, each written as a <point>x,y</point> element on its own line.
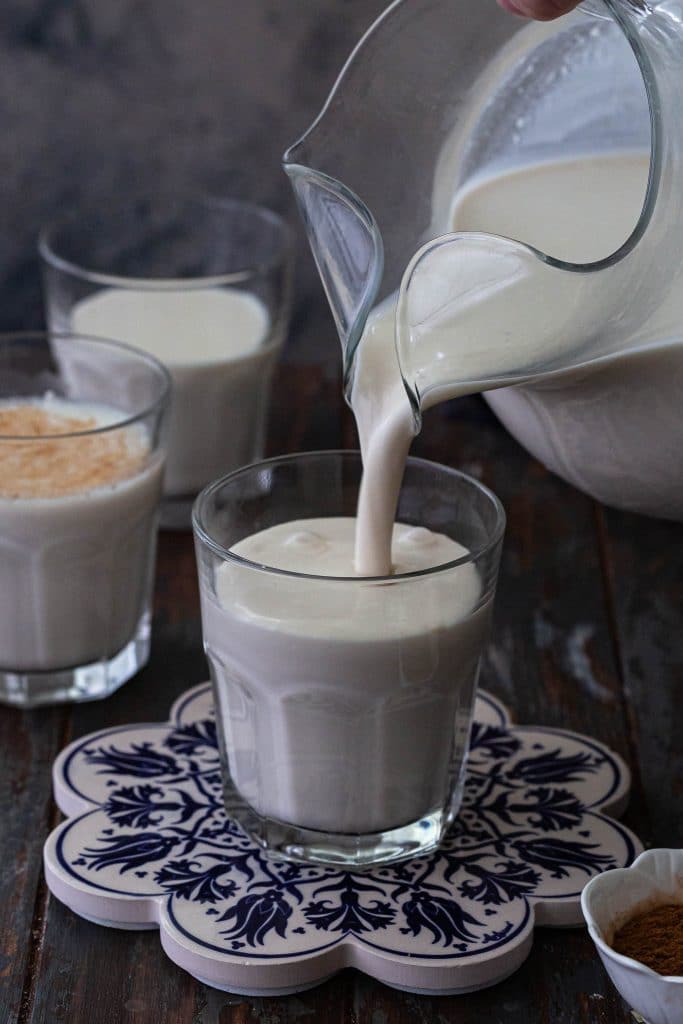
<point>438,97</point>
<point>347,248</point>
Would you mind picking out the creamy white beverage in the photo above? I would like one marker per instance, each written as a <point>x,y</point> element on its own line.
<point>577,209</point>
<point>345,704</point>
<point>77,532</point>
<point>613,427</point>
<point>216,343</point>
<point>462,305</point>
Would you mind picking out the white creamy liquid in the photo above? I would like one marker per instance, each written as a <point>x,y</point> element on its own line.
<point>612,428</point>
<point>77,534</point>
<point>579,210</point>
<point>345,703</point>
<point>216,344</point>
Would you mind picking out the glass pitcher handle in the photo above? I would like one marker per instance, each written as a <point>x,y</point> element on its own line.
<point>597,7</point>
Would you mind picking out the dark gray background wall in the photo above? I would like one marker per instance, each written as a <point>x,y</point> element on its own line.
<point>97,96</point>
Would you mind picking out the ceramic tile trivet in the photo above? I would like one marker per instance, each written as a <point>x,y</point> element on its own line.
<point>148,844</point>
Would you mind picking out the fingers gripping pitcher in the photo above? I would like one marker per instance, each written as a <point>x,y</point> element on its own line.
<point>500,208</point>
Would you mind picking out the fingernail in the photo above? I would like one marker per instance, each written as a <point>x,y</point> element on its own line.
<point>511,8</point>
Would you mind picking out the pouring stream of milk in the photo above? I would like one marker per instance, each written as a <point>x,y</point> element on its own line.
<point>577,209</point>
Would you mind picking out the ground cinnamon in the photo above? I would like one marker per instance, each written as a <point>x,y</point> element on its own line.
<point>52,464</point>
<point>655,938</point>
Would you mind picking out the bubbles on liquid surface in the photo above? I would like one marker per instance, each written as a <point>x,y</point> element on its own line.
<point>417,537</point>
<point>306,541</point>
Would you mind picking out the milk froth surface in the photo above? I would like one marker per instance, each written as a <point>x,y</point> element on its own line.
<point>44,463</point>
<point>324,547</point>
<point>337,603</point>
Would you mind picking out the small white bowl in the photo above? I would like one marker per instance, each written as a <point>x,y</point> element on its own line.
<point>611,899</point>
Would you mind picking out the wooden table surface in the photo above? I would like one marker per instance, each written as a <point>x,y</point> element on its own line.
<point>588,635</point>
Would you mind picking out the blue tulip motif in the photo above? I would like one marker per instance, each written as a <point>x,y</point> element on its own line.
<point>142,761</point>
<point>560,856</point>
<point>494,741</point>
<point>257,914</point>
<point>443,917</point>
<point>130,851</point>
<point>189,740</point>
<point>494,886</point>
<point>552,766</point>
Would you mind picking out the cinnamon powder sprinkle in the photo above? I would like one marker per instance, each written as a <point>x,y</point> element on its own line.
<point>58,466</point>
<point>655,938</point>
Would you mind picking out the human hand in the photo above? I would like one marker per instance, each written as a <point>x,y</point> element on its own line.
<point>541,10</point>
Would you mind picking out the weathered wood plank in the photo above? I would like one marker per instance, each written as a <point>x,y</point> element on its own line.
<point>94,974</point>
<point>29,741</point>
<point>645,578</point>
<point>551,655</point>
<point>556,987</point>
<point>331,1003</point>
<point>83,972</point>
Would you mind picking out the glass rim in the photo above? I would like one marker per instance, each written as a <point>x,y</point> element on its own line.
<point>48,252</point>
<point>202,534</point>
<point>129,419</point>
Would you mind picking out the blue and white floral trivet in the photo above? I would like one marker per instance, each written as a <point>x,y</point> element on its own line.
<point>147,844</point>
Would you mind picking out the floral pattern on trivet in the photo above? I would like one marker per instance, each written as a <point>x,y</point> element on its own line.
<point>151,844</point>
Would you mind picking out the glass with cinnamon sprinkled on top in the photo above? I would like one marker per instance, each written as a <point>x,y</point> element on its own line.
<point>81,469</point>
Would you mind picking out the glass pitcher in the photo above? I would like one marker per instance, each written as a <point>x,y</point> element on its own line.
<point>578,345</point>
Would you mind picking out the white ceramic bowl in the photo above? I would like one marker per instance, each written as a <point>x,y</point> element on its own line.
<point>608,901</point>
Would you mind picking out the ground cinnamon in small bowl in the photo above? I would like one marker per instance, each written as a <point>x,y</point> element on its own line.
<point>655,938</point>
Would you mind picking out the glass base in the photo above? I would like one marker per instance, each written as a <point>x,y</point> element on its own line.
<point>87,682</point>
<point>289,842</point>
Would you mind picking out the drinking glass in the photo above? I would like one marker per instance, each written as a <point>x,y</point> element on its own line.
<point>204,284</point>
<point>79,497</point>
<point>344,704</point>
